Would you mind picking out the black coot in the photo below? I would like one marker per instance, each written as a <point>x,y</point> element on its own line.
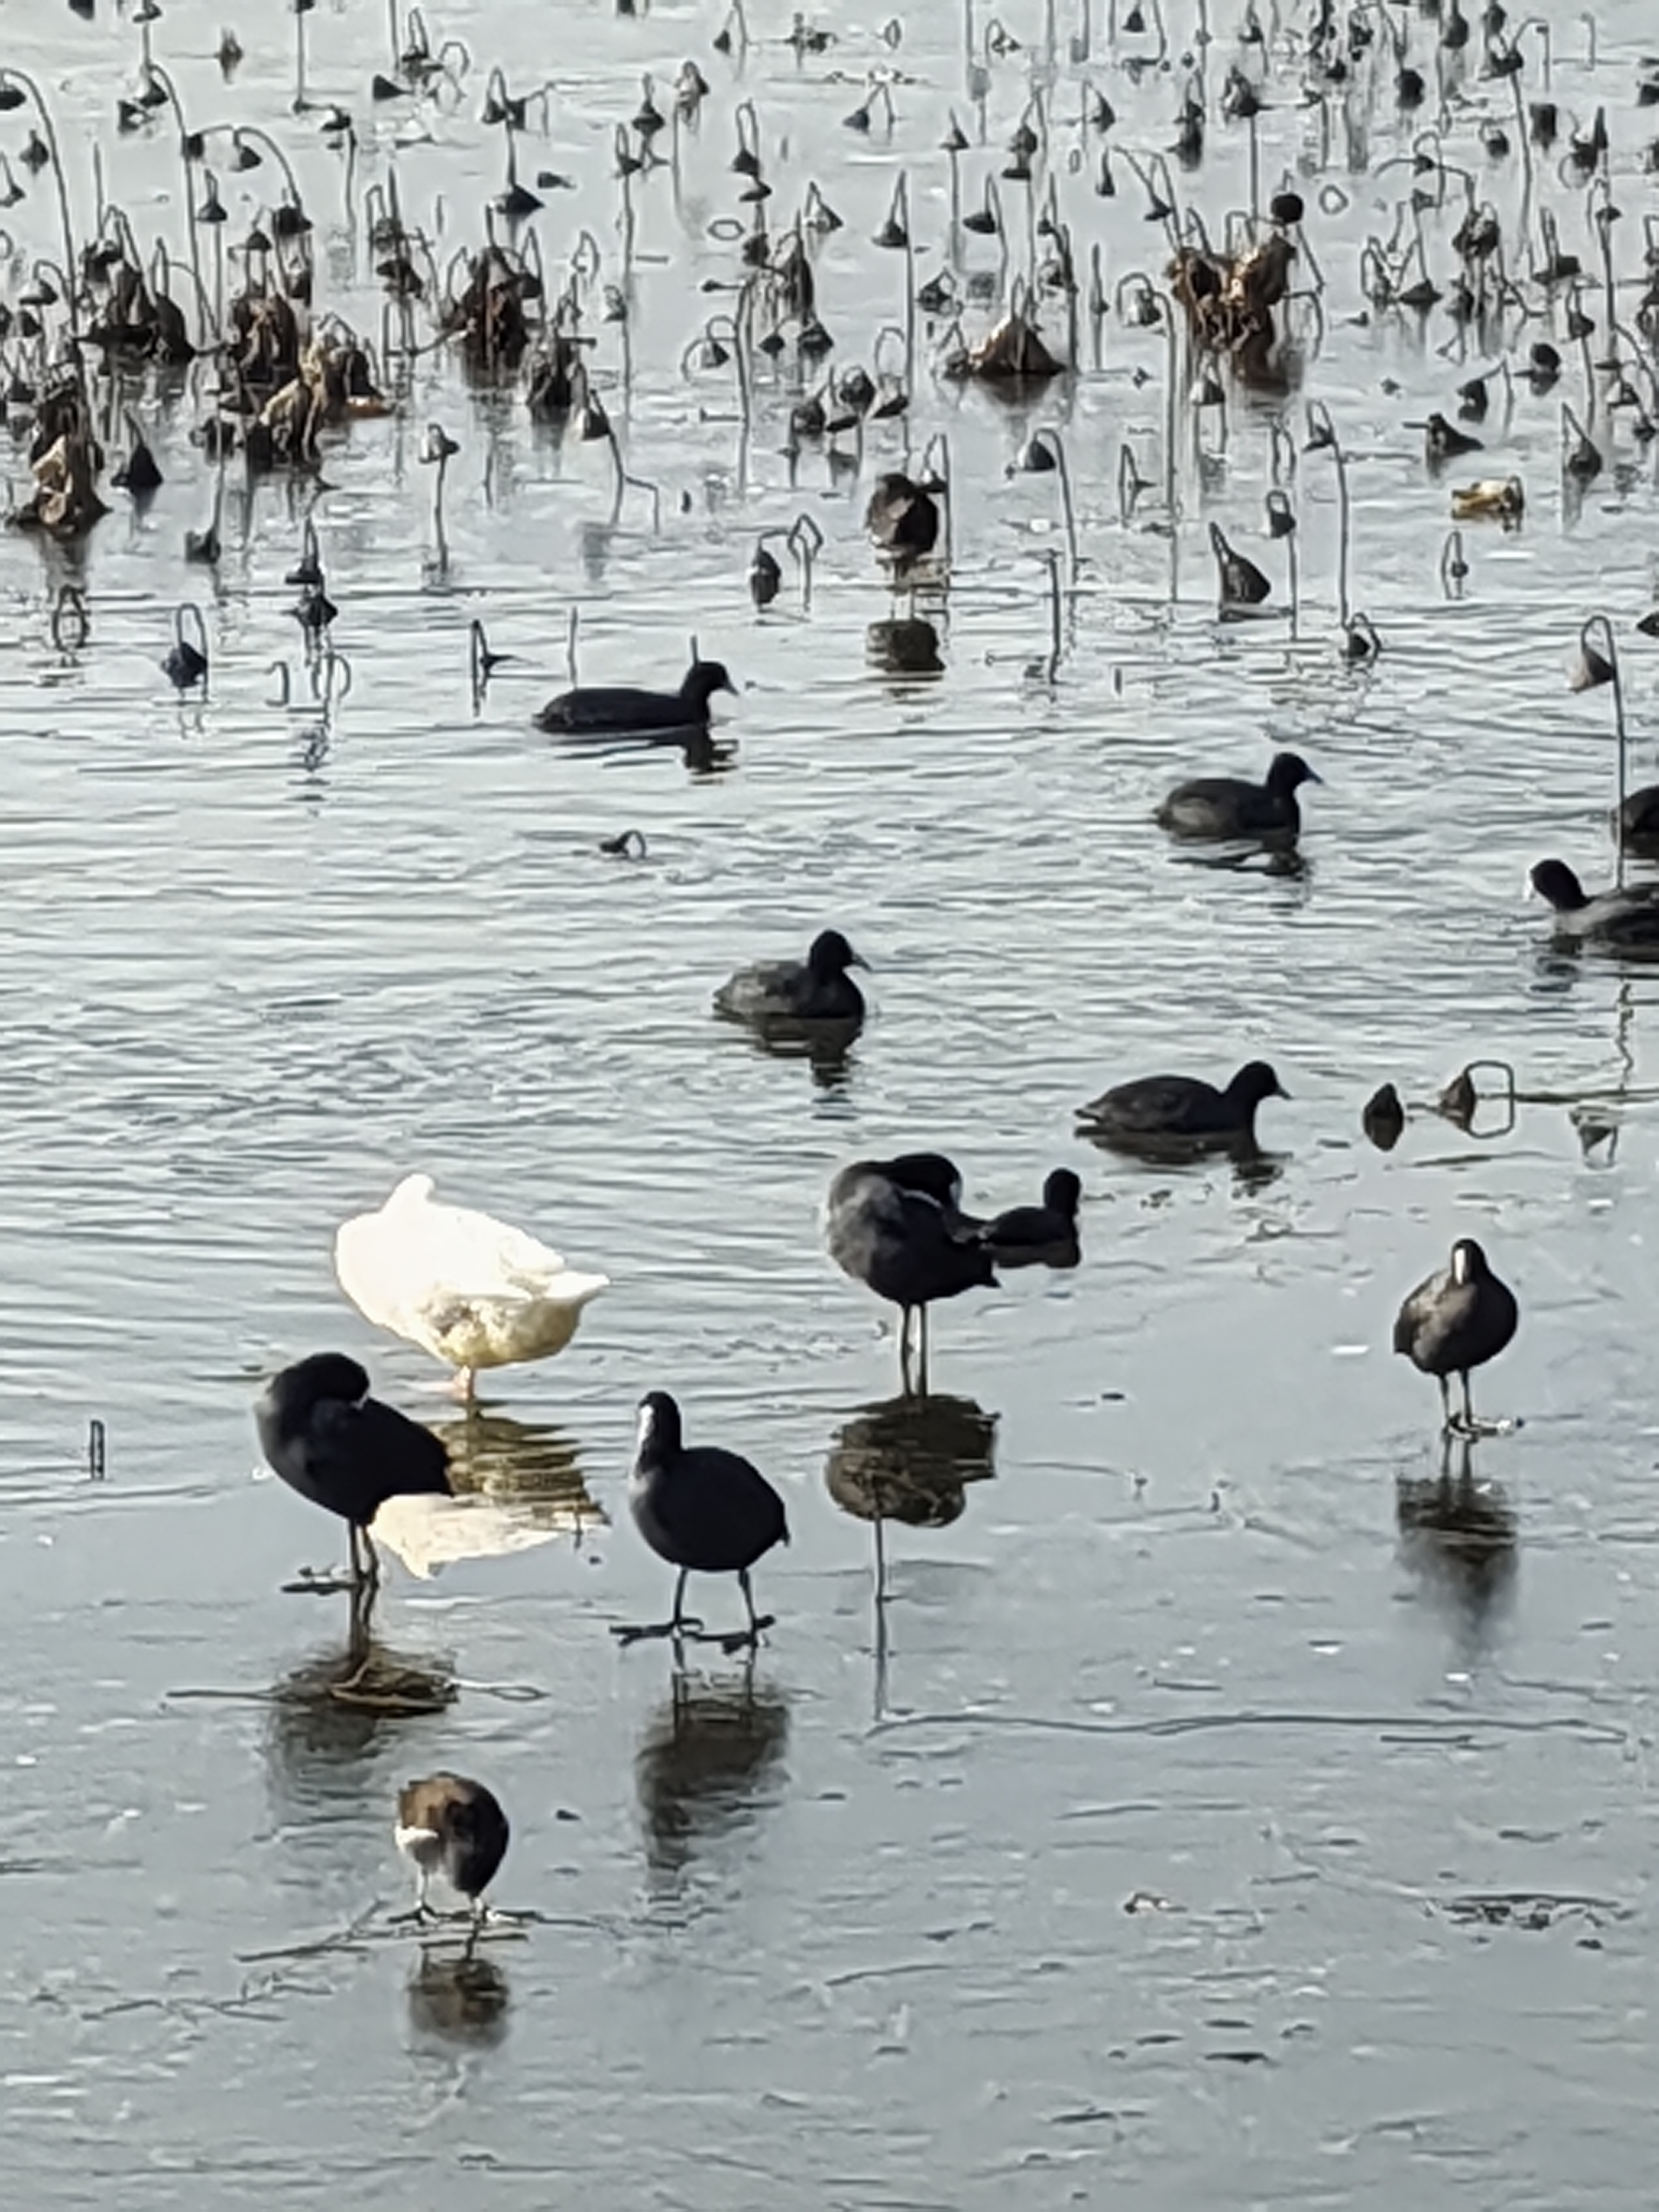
<point>898,1227</point>
<point>1458,1319</point>
<point>1627,920</point>
<point>1229,806</point>
<point>903,518</point>
<point>345,1451</point>
<point>815,989</point>
<point>705,1510</point>
<point>1179,1111</point>
<point>623,708</point>
<point>1636,823</point>
<point>1043,1235</point>
<point>449,1825</point>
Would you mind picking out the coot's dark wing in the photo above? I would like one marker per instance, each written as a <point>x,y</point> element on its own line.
<point>1222,803</point>
<point>352,1458</point>
<point>899,1241</point>
<point>1214,790</point>
<point>775,989</point>
<point>1416,1311</point>
<point>480,1833</point>
<point>1500,1316</point>
<point>1164,1106</point>
<point>620,708</point>
<point>713,1512</point>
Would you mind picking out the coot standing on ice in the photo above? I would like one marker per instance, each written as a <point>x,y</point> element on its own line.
<point>1458,1319</point>
<point>327,1438</point>
<point>706,1510</point>
<point>897,1226</point>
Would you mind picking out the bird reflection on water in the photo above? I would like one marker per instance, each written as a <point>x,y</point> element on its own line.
<point>904,648</point>
<point>533,1464</point>
<point>459,1997</point>
<point>336,1713</point>
<point>709,1762</point>
<point>826,1047</point>
<point>1458,1533</point>
<point>910,1459</point>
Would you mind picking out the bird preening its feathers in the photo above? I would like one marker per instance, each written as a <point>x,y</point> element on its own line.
<point>383,1474</point>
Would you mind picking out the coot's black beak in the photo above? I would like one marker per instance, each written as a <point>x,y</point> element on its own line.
<point>727,685</point>
<point>1313,776</point>
<point>858,960</point>
<point>1280,1091</point>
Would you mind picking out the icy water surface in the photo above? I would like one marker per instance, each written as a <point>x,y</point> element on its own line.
<point>1220,1809</point>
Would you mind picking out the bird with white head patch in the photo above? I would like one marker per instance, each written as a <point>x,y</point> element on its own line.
<point>705,1510</point>
<point>1457,1320</point>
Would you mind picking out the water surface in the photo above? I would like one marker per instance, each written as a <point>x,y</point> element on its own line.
<point>1220,1808</point>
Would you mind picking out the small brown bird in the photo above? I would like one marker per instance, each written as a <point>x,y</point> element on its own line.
<point>449,1825</point>
<point>1458,1319</point>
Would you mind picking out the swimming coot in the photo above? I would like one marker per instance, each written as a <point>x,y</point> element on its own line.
<point>903,518</point>
<point>1179,1110</point>
<point>1625,920</point>
<point>345,1451</point>
<point>898,1227</point>
<point>449,1825</point>
<point>1229,806</point>
<point>1043,1235</point>
<point>1458,1319</point>
<point>622,709</point>
<point>705,1510</point>
<point>815,989</point>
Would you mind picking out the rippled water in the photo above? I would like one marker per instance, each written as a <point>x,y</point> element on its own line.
<point>1220,1809</point>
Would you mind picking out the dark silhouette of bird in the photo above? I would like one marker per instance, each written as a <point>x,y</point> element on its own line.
<point>327,1438</point>
<point>898,1227</point>
<point>1044,1235</point>
<point>1457,1320</point>
<point>1181,1110</point>
<point>1625,920</point>
<point>815,989</point>
<point>704,1510</point>
<point>627,710</point>
<point>1232,806</point>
